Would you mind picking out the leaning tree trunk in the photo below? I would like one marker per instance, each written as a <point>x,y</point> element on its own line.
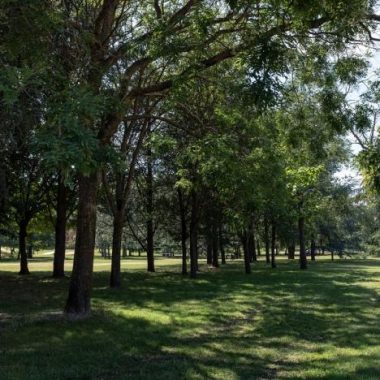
<point>183,231</point>
<point>117,234</point>
<point>301,231</point>
<point>22,247</point>
<point>78,302</point>
<point>267,243</point>
<point>60,231</point>
<point>273,246</point>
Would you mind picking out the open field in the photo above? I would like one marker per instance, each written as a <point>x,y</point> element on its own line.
<point>323,323</point>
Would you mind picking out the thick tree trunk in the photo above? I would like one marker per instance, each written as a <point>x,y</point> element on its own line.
<point>273,246</point>
<point>193,235</point>
<point>221,246</point>
<point>149,209</point>
<point>312,250</point>
<point>183,231</point>
<point>22,247</point>
<point>78,302</point>
<point>60,231</point>
<point>215,246</point>
<point>117,234</point>
<point>267,243</point>
<point>301,232</point>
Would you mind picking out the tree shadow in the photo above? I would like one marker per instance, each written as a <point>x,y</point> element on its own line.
<point>284,323</point>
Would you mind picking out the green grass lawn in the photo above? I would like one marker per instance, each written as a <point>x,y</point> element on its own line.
<point>323,323</point>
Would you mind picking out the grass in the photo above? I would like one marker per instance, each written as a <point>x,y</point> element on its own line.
<point>323,323</point>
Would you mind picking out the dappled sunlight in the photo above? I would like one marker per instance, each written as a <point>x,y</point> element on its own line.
<point>281,324</point>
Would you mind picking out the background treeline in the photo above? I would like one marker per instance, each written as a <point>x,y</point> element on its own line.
<point>204,128</point>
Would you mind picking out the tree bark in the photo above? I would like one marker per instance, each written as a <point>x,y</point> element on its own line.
<point>252,242</point>
<point>117,234</point>
<point>149,209</point>
<point>183,231</point>
<point>30,252</point>
<point>267,243</point>
<point>273,246</point>
<point>291,251</point>
<point>215,246</point>
<point>301,228</point>
<point>193,235</point>
<point>79,298</point>
<point>22,247</point>
<point>247,258</point>
<point>221,246</point>
<point>209,248</point>
<point>60,231</point>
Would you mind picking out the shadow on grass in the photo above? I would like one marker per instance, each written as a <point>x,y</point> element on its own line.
<point>322,323</point>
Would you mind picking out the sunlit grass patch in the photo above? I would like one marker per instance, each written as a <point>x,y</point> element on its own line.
<point>282,324</point>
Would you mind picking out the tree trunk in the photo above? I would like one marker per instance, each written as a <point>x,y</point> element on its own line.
<point>209,249</point>
<point>22,247</point>
<point>149,209</point>
<point>301,228</point>
<point>78,302</point>
<point>193,235</point>
<point>252,242</point>
<point>258,247</point>
<point>215,246</point>
<point>267,243</point>
<point>183,231</point>
<point>312,250</point>
<point>291,251</point>
<point>247,258</point>
<point>117,233</point>
<point>273,246</point>
<point>60,231</point>
<point>221,246</point>
<point>30,252</point>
